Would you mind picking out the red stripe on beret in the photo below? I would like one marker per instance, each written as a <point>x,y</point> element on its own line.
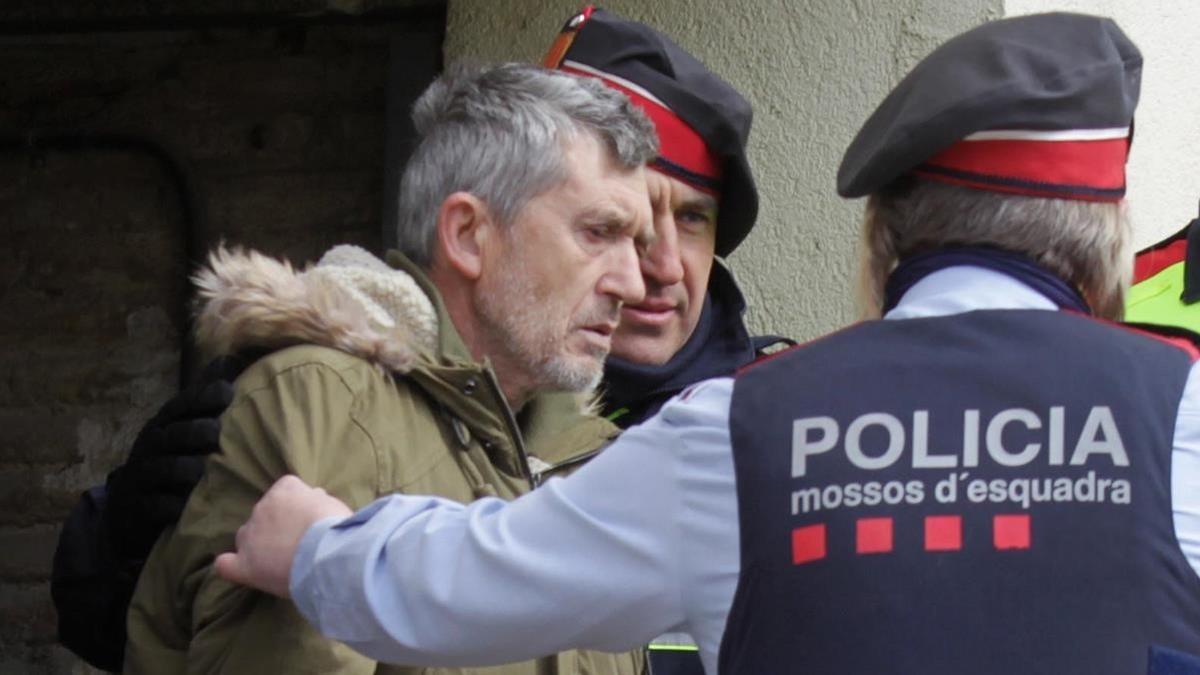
<point>1064,165</point>
<point>679,144</point>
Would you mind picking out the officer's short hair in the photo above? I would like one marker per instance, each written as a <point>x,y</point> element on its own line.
<point>499,133</point>
<point>1085,243</point>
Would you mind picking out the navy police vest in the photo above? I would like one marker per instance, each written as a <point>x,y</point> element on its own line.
<point>984,493</point>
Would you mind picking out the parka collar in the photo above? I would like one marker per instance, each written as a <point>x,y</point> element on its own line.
<point>450,345</point>
<point>558,425</point>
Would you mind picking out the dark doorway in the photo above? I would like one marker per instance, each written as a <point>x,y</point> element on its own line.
<point>130,144</point>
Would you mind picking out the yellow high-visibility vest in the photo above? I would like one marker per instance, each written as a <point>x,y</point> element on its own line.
<point>1166,288</point>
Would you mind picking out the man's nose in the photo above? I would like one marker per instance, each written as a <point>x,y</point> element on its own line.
<point>660,261</point>
<point>623,279</point>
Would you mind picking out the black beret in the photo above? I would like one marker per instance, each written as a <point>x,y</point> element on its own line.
<point>603,42</point>
<point>1044,77</point>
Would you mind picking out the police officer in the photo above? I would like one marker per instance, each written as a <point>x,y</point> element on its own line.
<point>991,479</point>
<point>689,327</point>
<point>706,203</point>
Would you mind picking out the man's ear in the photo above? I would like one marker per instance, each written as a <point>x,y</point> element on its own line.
<point>463,223</point>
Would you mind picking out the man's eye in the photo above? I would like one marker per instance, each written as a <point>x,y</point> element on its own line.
<point>602,232</point>
<point>695,217</point>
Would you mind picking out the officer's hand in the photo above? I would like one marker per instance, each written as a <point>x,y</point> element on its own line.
<point>268,541</point>
<point>148,492</point>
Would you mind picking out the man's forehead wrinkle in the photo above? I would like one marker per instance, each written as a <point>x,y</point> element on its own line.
<point>645,232</point>
<point>620,204</point>
<point>626,214</point>
<point>700,201</point>
<point>665,188</point>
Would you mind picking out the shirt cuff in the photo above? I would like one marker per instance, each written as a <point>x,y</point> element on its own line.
<point>302,584</point>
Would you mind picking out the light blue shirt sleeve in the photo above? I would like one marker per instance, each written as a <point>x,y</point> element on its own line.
<point>598,560</point>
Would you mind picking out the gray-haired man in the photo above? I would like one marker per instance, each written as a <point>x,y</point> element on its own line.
<point>521,216</point>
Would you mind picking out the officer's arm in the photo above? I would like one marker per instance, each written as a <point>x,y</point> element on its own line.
<point>591,561</point>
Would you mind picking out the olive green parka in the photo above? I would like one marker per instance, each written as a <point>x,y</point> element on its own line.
<point>368,391</point>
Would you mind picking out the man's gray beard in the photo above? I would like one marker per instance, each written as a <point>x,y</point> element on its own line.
<point>517,324</point>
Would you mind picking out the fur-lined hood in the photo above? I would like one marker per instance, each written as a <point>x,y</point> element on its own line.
<point>350,301</point>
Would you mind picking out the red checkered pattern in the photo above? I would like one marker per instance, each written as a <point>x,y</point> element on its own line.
<point>808,544</point>
<point>1011,531</point>
<point>943,533</point>
<point>873,535</point>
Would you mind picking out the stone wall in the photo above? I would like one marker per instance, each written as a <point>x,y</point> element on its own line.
<point>127,145</point>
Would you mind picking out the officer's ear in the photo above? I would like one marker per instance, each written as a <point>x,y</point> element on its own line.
<point>464,224</point>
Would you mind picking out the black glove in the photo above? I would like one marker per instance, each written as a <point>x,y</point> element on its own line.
<point>110,532</point>
<point>148,492</point>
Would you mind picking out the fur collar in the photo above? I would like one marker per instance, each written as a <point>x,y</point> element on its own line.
<point>350,301</point>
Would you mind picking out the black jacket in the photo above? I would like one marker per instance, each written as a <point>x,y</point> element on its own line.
<point>720,345</point>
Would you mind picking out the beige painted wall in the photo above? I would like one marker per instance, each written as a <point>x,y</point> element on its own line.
<point>1164,166</point>
<point>814,69</point>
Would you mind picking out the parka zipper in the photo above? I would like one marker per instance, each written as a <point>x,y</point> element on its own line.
<point>513,430</point>
<point>578,459</point>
